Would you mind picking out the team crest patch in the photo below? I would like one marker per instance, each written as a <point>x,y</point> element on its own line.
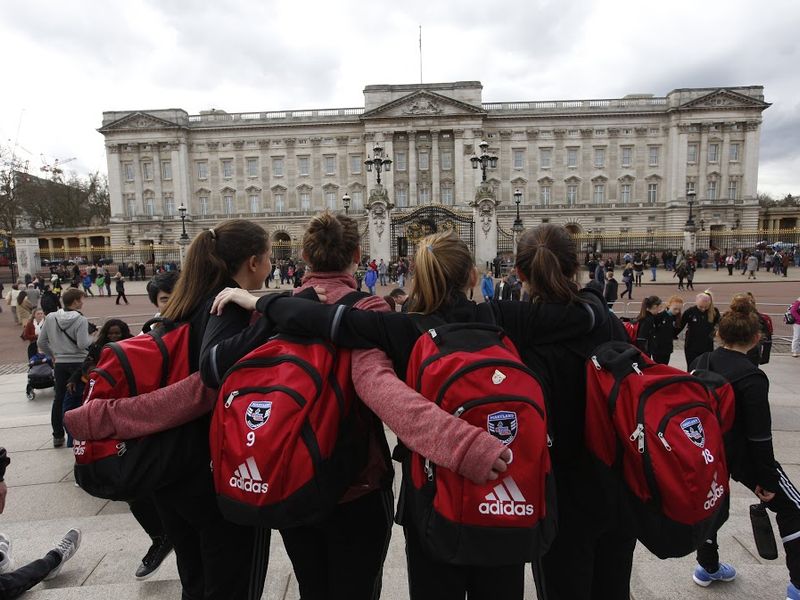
<point>258,413</point>
<point>503,426</point>
<point>498,377</point>
<point>693,428</point>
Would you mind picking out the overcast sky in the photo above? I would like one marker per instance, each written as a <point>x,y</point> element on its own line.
<point>66,62</point>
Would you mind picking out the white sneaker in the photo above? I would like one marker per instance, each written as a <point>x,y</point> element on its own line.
<point>67,548</point>
<point>6,562</point>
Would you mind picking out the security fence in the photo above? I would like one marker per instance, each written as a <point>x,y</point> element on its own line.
<point>157,254</point>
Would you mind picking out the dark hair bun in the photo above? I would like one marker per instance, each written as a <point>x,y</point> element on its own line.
<point>742,305</point>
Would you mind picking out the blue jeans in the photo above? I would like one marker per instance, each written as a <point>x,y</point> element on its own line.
<point>653,271</point>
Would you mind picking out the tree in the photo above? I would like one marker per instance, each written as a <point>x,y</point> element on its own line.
<point>765,199</point>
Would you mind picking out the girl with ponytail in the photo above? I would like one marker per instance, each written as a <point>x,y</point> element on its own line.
<point>748,449</point>
<point>214,556</point>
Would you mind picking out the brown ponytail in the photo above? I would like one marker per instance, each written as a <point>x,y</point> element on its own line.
<point>443,266</point>
<point>548,258</point>
<point>213,257</point>
<point>647,304</point>
<point>330,242</point>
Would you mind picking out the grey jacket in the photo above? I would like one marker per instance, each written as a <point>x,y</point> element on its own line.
<point>65,336</point>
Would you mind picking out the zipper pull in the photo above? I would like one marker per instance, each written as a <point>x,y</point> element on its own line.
<point>549,441</point>
<point>637,431</point>
<point>231,396</point>
<point>637,369</point>
<point>664,441</point>
<point>638,434</point>
<point>428,470</point>
<point>596,363</point>
<point>459,411</point>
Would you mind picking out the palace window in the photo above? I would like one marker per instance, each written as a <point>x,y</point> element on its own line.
<point>599,193</point>
<point>599,158</point>
<point>545,157</point>
<point>572,194</point>
<point>447,194</point>
<point>400,161</point>
<point>733,189</point>
<point>733,154</point>
<point>277,167</point>
<point>358,200</point>
<point>149,207</point>
<point>147,171</point>
<point>712,190</point>
<point>355,164</point>
<point>169,206</point>
<point>303,166</point>
<point>255,203</point>
<point>713,153</point>
<point>653,152</point>
<point>227,168</point>
<point>519,159</point>
<point>330,165</point>
<point>305,201</point>
<point>227,204</point>
<point>279,205</point>
<point>652,193</point>
<point>401,196</point>
<point>203,200</point>
<point>691,153</point>
<point>689,187</point>
<point>166,170</point>
<point>544,195</point>
<point>131,207</point>
<point>627,156</point>
<point>447,160</point>
<point>330,200</point>
<point>572,157</point>
<point>128,167</point>
<point>424,161</point>
<point>625,193</point>
<point>252,167</point>
<point>202,170</point>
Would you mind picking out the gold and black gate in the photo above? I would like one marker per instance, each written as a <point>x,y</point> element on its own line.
<point>409,228</point>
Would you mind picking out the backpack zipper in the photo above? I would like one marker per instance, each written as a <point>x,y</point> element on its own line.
<point>662,426</point>
<point>271,362</point>
<point>489,362</point>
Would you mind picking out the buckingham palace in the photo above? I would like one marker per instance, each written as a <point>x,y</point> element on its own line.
<point>604,165</point>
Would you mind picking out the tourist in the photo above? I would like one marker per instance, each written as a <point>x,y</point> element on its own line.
<point>487,286</point>
<point>700,322</point>
<point>649,321</point>
<point>627,279</point>
<point>120,288</point>
<point>794,309</point>
<point>667,330</point>
<point>609,290</point>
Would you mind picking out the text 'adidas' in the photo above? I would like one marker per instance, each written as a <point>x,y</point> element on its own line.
<point>248,478</point>
<point>506,499</point>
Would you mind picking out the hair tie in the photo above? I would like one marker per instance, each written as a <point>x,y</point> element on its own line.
<point>430,248</point>
<point>213,233</point>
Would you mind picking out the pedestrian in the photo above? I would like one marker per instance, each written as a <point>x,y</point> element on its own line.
<point>502,290</point>
<point>65,338</point>
<point>50,302</point>
<point>107,278</point>
<point>341,556</point>
<point>401,273</point>
<point>370,279</point>
<point>666,330</point>
<point>610,289</point>
<point>653,264</point>
<point>638,270</point>
<point>627,279</point>
<point>785,262</point>
<point>690,271</point>
<point>11,300</point>
<point>794,309</point>
<point>15,582</point>
<point>276,277</point>
<point>649,320</point>
<point>34,295</point>
<point>700,322</point>
<point>749,448</point>
<point>87,282</point>
<point>730,263</point>
<point>100,281</point>
<point>24,307</point>
<point>680,272</point>
<point>487,286</point>
<point>382,272</point>
<point>120,288</point>
<point>751,266</point>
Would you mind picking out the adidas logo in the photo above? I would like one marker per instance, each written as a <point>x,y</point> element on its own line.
<point>716,492</point>
<point>248,478</point>
<point>506,499</point>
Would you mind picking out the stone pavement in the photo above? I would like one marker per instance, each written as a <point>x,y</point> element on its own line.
<point>43,503</point>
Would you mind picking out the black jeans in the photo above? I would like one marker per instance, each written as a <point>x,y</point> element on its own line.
<point>429,579</point>
<point>121,295</point>
<point>342,557</point>
<point>16,583</point>
<point>662,359</point>
<point>215,557</point>
<point>62,372</point>
<point>786,506</point>
<point>146,514</point>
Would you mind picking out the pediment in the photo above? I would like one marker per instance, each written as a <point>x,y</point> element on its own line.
<point>138,121</point>
<point>422,104</point>
<point>724,99</point>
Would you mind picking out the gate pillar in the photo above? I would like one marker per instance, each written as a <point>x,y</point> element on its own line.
<point>378,217</point>
<point>484,209</point>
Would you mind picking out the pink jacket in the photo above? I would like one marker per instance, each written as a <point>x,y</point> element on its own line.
<point>795,310</point>
<point>446,440</point>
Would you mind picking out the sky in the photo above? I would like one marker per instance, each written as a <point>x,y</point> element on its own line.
<point>66,62</point>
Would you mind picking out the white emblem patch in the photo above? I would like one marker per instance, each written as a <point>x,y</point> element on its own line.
<point>498,377</point>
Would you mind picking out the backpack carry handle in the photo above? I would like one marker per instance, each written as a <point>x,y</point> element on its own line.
<point>620,358</point>
<point>166,324</point>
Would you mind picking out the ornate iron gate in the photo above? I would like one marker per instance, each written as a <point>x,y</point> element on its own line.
<point>364,243</point>
<point>505,241</point>
<point>410,227</point>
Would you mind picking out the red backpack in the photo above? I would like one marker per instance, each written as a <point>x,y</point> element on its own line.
<point>632,329</point>
<point>288,435</point>
<point>474,372</point>
<point>128,469</point>
<point>662,430</point>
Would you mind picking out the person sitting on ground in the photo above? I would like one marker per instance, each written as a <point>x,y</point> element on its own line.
<point>14,583</point>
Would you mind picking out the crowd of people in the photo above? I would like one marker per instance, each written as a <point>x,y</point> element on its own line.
<point>552,320</point>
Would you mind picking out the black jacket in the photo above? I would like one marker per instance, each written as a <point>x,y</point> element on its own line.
<point>665,332</point>
<point>503,293</point>
<point>699,330</point>
<point>750,455</point>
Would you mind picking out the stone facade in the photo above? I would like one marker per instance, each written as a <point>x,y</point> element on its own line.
<point>593,165</point>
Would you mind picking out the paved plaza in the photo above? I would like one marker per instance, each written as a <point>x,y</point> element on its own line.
<point>43,501</point>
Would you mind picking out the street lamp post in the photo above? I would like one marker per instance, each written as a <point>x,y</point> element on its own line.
<point>517,227</point>
<point>691,196</point>
<point>379,161</point>
<point>690,229</point>
<point>184,239</point>
<point>484,161</point>
<point>346,202</point>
